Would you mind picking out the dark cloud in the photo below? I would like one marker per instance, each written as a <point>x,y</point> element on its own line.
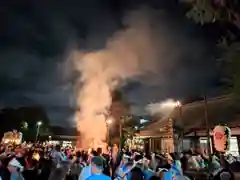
<point>30,80</point>
<point>188,71</point>
<point>36,38</point>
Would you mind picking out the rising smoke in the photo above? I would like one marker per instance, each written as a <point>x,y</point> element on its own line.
<point>162,109</point>
<point>130,53</point>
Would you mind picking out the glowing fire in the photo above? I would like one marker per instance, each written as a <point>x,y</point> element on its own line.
<point>91,145</point>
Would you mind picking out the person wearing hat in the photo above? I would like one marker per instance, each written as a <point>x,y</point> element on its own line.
<point>97,165</point>
<point>15,169</point>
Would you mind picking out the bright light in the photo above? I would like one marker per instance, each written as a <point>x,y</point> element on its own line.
<point>49,137</point>
<point>178,104</point>
<point>164,107</point>
<point>39,123</point>
<point>109,121</point>
<point>143,121</point>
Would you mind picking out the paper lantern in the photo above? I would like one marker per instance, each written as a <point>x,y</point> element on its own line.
<point>221,137</point>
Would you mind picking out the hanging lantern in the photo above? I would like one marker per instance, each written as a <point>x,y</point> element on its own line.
<point>221,136</point>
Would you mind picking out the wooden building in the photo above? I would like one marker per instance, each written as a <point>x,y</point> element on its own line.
<point>61,135</point>
<point>191,122</point>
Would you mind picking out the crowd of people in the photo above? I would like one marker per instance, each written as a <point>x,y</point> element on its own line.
<point>40,161</point>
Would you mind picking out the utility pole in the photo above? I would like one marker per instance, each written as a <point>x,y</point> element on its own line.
<point>39,123</point>
<point>181,133</point>
<point>108,123</point>
<point>182,130</point>
<point>207,125</point>
<point>120,133</point>
<point>108,135</point>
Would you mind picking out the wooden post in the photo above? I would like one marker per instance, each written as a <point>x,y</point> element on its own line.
<point>238,141</point>
<point>120,135</point>
<point>207,125</point>
<point>182,130</point>
<point>108,135</point>
<point>150,144</point>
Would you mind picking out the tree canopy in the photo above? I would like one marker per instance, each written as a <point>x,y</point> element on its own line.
<point>224,14</point>
<point>23,119</point>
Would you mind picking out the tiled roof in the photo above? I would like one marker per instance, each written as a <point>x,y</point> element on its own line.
<point>221,110</point>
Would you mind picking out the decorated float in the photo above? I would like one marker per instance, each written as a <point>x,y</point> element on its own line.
<point>12,137</point>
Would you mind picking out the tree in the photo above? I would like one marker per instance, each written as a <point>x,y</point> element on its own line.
<point>24,125</point>
<point>211,11</point>
<point>120,111</point>
<point>23,119</point>
<point>224,13</point>
<point>131,127</point>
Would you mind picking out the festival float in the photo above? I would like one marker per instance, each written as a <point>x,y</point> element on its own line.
<point>12,137</point>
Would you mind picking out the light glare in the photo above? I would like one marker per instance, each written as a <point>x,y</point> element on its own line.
<point>39,123</point>
<point>109,121</point>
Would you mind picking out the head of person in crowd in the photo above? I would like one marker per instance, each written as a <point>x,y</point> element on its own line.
<point>78,154</point>
<point>91,155</point>
<point>99,151</point>
<point>84,158</point>
<point>97,165</point>
<point>184,160</point>
<point>137,156</point>
<point>136,174</point>
<point>94,153</point>
<point>70,157</point>
<point>155,178</point>
<point>77,157</point>
<point>58,148</point>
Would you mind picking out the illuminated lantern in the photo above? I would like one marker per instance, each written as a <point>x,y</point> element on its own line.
<point>221,137</point>
<point>12,137</point>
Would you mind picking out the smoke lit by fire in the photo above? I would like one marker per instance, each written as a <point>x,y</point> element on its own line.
<point>130,53</point>
<point>163,108</point>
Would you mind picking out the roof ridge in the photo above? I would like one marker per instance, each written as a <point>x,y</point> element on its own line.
<point>227,96</point>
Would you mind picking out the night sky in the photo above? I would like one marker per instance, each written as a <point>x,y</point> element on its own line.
<point>37,36</point>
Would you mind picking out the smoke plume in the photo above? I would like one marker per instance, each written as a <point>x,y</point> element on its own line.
<point>130,53</point>
<point>163,108</point>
